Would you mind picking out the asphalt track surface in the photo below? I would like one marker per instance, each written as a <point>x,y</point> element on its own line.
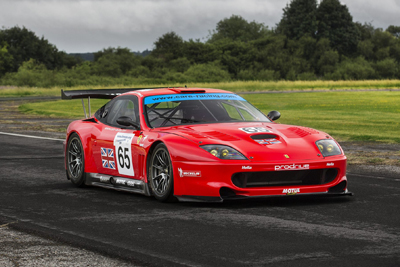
<point>36,197</point>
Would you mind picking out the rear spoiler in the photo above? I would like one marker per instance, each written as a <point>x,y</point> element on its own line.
<point>97,93</point>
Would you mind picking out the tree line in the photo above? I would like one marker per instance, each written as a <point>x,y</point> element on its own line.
<point>312,41</point>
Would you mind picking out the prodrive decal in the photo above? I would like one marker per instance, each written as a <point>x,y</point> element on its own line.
<point>292,167</point>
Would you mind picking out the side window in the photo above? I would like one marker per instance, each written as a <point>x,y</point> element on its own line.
<point>118,107</point>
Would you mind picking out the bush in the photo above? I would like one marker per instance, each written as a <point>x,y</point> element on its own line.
<point>307,76</point>
<point>354,69</point>
<point>140,72</point>
<point>210,72</point>
<point>387,68</point>
<point>268,75</point>
<point>179,65</point>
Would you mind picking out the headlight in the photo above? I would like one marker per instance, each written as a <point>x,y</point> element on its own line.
<point>223,152</point>
<point>328,147</point>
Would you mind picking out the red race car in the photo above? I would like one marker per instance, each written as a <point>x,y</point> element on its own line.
<point>195,144</point>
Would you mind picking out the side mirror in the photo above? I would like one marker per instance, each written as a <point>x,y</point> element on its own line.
<point>274,115</point>
<point>126,121</point>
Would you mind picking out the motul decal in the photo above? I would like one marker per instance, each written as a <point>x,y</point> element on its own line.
<point>291,191</point>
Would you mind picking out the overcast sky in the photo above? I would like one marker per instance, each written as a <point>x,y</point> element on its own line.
<point>77,26</point>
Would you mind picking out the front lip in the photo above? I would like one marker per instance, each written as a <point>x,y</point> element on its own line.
<point>187,198</point>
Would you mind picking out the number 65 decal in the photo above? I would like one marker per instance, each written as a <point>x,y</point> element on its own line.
<point>122,143</point>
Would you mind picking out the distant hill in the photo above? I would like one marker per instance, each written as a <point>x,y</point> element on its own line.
<point>145,53</point>
<point>90,56</point>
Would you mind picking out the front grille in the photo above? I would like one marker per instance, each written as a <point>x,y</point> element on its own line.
<point>284,178</point>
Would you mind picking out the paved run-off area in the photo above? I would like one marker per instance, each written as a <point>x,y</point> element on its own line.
<point>37,200</point>
<point>21,249</point>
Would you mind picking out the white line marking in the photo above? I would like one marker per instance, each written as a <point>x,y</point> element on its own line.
<point>32,136</point>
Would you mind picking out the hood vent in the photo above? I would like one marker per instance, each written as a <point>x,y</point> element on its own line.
<point>263,136</point>
<point>297,132</point>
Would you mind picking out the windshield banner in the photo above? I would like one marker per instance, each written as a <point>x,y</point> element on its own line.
<point>182,97</point>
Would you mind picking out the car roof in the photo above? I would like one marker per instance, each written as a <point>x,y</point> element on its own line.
<point>175,90</point>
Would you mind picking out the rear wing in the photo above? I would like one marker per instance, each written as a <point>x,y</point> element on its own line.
<point>97,93</point>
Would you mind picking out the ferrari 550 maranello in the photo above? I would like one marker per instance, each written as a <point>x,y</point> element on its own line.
<point>195,144</point>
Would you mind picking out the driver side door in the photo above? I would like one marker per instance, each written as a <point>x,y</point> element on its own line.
<point>113,144</point>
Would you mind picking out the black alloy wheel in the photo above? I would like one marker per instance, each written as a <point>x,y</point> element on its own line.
<point>161,176</point>
<point>75,161</point>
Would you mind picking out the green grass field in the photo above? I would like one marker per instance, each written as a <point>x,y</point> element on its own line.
<point>237,86</point>
<point>358,116</point>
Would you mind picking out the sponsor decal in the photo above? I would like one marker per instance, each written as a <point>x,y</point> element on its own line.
<point>183,173</point>
<point>122,144</point>
<point>292,167</point>
<point>104,179</point>
<point>120,181</point>
<point>115,129</point>
<point>107,158</point>
<point>287,156</point>
<point>139,138</point>
<point>131,183</point>
<point>247,167</point>
<point>268,141</point>
<point>291,191</point>
<point>183,97</point>
<point>330,164</point>
<point>251,130</point>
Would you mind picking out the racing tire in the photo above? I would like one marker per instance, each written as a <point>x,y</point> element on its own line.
<point>75,158</point>
<point>161,177</point>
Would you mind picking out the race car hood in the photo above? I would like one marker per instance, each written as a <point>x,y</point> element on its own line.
<point>257,141</point>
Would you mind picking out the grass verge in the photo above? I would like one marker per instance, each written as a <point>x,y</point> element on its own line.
<point>348,116</point>
<point>237,86</point>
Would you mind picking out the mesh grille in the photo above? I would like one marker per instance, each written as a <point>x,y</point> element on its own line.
<point>284,178</point>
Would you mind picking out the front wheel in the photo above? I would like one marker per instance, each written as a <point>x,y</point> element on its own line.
<point>75,161</point>
<point>161,176</point>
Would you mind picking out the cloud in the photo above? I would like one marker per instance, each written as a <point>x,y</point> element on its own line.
<point>84,25</point>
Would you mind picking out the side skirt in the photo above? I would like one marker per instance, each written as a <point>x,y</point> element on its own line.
<point>117,183</point>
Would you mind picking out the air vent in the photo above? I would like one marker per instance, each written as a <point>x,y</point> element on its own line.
<point>296,132</point>
<point>187,91</point>
<point>263,136</point>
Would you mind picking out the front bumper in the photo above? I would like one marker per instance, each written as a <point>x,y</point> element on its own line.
<point>214,182</point>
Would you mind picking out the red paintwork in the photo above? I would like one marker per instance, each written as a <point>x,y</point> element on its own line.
<point>183,145</point>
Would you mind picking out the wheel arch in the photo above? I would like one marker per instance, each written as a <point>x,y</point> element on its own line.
<point>148,157</point>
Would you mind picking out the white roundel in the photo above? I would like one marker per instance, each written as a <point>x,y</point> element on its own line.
<point>255,130</point>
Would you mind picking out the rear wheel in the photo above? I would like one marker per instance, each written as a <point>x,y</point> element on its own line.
<point>161,176</point>
<point>75,161</point>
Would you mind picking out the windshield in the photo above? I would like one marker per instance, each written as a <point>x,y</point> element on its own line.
<point>171,110</point>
